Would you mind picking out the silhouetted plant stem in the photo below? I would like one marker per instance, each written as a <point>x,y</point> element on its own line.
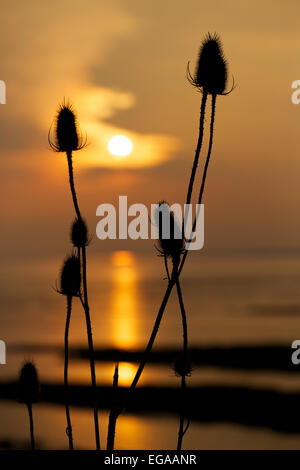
<point>91,347</point>
<point>112,416</point>
<point>72,185</point>
<point>212,122</point>
<point>183,317</point>
<point>198,148</point>
<point>69,426</point>
<point>86,305</point>
<point>29,407</point>
<point>181,431</point>
<point>147,351</point>
<point>166,267</point>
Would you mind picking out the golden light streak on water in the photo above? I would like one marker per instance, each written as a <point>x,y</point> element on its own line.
<point>124,301</point>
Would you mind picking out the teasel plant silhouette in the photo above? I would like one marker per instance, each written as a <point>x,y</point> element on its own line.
<point>68,139</point>
<point>210,79</point>
<point>70,282</point>
<point>29,393</point>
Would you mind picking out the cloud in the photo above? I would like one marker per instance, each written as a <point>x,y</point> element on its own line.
<point>97,104</point>
<point>50,51</point>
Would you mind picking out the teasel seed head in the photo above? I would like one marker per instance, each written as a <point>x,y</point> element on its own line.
<point>173,246</point>
<point>28,385</point>
<point>211,71</point>
<point>182,366</point>
<point>70,277</point>
<point>79,233</point>
<point>68,137</point>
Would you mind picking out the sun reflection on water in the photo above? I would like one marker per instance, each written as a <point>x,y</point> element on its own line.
<point>126,373</point>
<point>124,301</point>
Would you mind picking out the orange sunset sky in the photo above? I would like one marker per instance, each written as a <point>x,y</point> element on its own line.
<point>123,64</point>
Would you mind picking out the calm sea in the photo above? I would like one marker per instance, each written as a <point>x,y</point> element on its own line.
<point>230,301</point>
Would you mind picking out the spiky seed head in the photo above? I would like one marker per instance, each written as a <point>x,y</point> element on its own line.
<point>211,71</point>
<point>173,246</point>
<point>67,134</point>
<point>182,366</point>
<point>79,233</point>
<point>66,129</point>
<point>70,277</point>
<point>28,385</point>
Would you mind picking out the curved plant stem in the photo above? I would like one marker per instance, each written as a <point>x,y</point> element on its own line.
<point>72,185</point>
<point>112,416</point>
<point>29,407</point>
<point>212,122</point>
<point>167,267</point>
<point>86,306</point>
<point>198,148</point>
<point>91,347</point>
<point>69,426</point>
<point>181,431</point>
<point>147,351</point>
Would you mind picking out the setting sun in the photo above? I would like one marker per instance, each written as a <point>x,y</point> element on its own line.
<point>120,146</point>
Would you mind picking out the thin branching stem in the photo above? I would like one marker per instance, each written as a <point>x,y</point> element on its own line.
<point>91,347</point>
<point>147,351</point>
<point>182,431</point>
<point>69,425</point>
<point>86,306</point>
<point>112,416</point>
<point>72,185</point>
<point>212,122</point>
<point>29,407</point>
<point>198,148</point>
<point>166,267</point>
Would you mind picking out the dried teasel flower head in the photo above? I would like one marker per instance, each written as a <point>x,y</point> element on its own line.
<point>68,137</point>
<point>211,71</point>
<point>79,233</point>
<point>182,366</point>
<point>28,385</point>
<point>171,240</point>
<point>70,277</point>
